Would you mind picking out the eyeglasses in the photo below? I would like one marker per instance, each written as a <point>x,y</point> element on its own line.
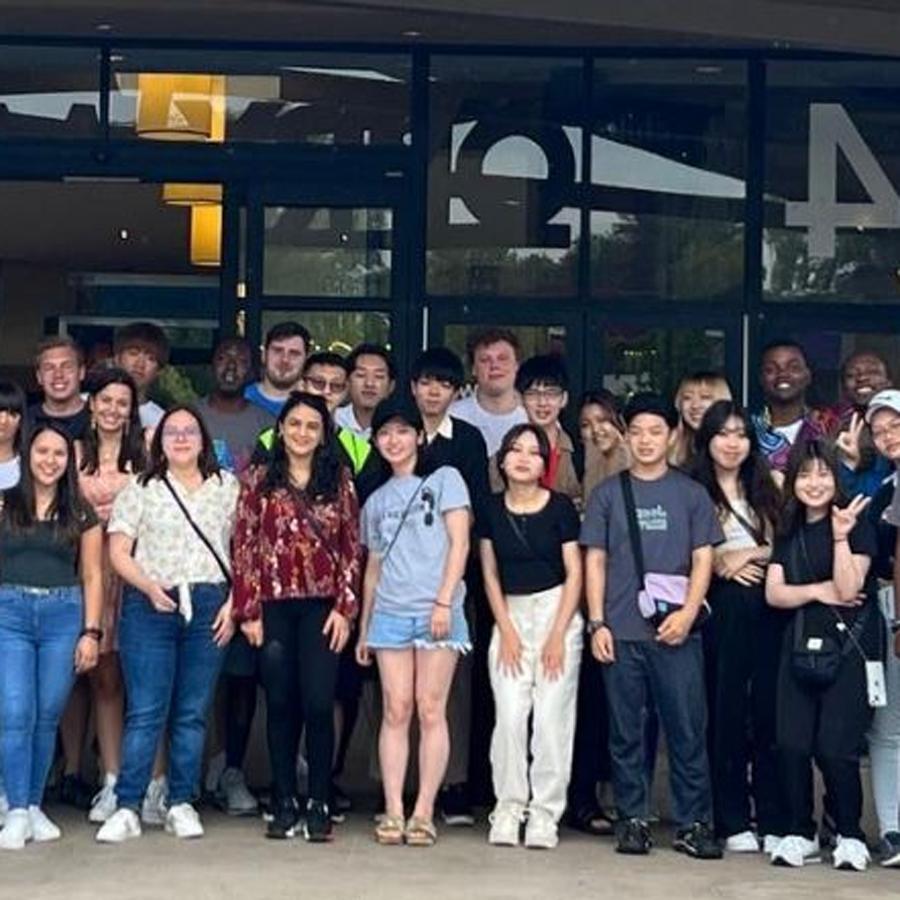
<point>173,434</point>
<point>550,393</point>
<point>324,386</point>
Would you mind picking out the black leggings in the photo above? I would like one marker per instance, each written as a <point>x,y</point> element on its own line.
<point>240,707</point>
<point>299,675</point>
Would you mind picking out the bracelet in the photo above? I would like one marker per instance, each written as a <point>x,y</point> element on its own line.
<point>840,541</point>
<point>895,626</point>
<point>444,605</point>
<point>594,625</point>
<point>92,632</point>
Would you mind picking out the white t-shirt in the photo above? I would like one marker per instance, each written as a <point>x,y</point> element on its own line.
<point>150,413</point>
<point>493,426</point>
<point>789,432</point>
<point>344,417</point>
<point>9,473</point>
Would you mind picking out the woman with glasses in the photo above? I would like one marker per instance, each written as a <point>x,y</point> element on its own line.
<point>170,533</point>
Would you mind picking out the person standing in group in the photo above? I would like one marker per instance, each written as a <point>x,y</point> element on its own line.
<point>12,414</point>
<point>883,418</point>
<point>495,405</point>
<point>50,602</point>
<point>284,352</point>
<point>602,437</point>
<point>653,521</point>
<point>142,350</point>
<point>296,562</point>
<point>59,371</point>
<point>416,529</point>
<point>742,641</point>
<point>532,573</point>
<point>820,570</point>
<point>112,451</point>
<point>170,533</point>
<point>695,394</point>
<point>371,376</point>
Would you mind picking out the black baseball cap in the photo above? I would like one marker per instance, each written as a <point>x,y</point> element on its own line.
<point>397,407</point>
<point>652,404</point>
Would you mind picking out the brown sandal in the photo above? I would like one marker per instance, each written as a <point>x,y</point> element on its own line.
<point>420,832</point>
<point>389,830</point>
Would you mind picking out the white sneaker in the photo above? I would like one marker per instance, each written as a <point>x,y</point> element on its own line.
<point>506,823</point>
<point>541,831</point>
<point>122,825</point>
<point>42,829</point>
<point>850,854</point>
<point>743,842</point>
<point>236,800</point>
<point>770,843</point>
<point>104,803</point>
<point>796,850</point>
<point>16,831</point>
<point>153,809</point>
<point>182,821</point>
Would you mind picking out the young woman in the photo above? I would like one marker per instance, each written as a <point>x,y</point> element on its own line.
<point>742,638</point>
<point>296,563</point>
<point>603,437</point>
<point>12,409</point>
<point>112,450</point>
<point>532,577</point>
<point>170,532</point>
<point>416,528</point>
<point>695,394</point>
<point>820,571</point>
<point>50,601</point>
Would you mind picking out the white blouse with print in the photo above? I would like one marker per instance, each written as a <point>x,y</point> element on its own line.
<point>166,546</point>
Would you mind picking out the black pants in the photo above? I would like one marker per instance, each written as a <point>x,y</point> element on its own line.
<point>590,754</point>
<point>299,675</point>
<point>742,644</point>
<point>829,726</point>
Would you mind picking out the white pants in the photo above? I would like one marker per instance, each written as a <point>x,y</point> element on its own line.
<point>552,704</point>
<point>884,743</point>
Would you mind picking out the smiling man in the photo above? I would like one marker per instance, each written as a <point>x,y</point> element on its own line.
<point>59,371</point>
<point>284,352</point>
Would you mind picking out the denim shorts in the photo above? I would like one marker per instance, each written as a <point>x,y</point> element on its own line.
<point>388,631</point>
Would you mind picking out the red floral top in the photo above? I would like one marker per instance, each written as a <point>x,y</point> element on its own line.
<point>277,554</point>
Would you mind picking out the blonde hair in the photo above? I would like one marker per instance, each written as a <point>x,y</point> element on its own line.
<point>681,447</point>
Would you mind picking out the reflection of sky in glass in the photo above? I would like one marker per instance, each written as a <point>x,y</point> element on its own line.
<point>55,105</point>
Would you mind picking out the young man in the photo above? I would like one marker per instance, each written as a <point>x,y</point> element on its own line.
<point>883,417</point>
<point>495,406</point>
<point>543,384</point>
<point>59,370</point>
<point>142,350</point>
<point>677,527</point>
<point>436,378</point>
<point>284,352</point>
<point>785,377</point>
<point>371,373</point>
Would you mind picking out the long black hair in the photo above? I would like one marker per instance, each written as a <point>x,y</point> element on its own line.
<point>803,454</point>
<point>12,401</point>
<point>325,473</point>
<point>754,475</point>
<point>132,450</point>
<point>68,511</point>
<point>158,465</point>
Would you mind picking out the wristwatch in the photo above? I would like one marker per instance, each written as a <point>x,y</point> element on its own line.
<point>594,625</point>
<point>895,626</point>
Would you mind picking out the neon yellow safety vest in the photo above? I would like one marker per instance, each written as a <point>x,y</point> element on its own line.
<point>356,447</point>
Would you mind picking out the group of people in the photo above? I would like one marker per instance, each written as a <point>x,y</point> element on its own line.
<point>538,604</point>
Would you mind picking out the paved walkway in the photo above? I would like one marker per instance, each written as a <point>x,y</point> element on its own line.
<point>235,861</point>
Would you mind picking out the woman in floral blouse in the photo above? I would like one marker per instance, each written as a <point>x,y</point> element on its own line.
<point>297,564</point>
<point>176,614</point>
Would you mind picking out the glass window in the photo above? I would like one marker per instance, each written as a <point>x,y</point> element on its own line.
<point>327,252</point>
<point>337,331</point>
<point>49,92</point>
<point>333,99</point>
<point>533,339</point>
<point>505,163</point>
<point>832,209</point>
<point>667,172</point>
<point>637,358</point>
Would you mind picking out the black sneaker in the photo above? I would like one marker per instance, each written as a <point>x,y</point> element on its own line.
<point>75,792</point>
<point>633,837</point>
<point>455,806</point>
<point>697,841</point>
<point>889,850</point>
<point>317,828</point>
<point>285,819</point>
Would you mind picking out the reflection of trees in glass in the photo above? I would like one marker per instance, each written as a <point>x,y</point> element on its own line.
<point>328,273</point>
<point>339,331</point>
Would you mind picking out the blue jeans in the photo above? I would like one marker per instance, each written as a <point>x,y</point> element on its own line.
<point>672,677</point>
<point>170,670</point>
<point>38,632</point>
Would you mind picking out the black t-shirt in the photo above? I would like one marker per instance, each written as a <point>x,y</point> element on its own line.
<point>42,556</point>
<point>529,547</point>
<point>818,562</point>
<point>75,426</point>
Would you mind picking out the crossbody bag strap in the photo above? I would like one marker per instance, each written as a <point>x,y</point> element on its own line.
<point>199,531</point>
<point>309,517</point>
<point>403,518</point>
<point>634,534</point>
<point>756,533</point>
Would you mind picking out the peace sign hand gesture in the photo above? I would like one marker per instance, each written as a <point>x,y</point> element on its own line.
<point>844,520</point>
<point>848,441</point>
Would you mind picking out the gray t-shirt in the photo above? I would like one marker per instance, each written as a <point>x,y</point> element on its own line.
<point>411,573</point>
<point>675,517</point>
<point>234,434</point>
